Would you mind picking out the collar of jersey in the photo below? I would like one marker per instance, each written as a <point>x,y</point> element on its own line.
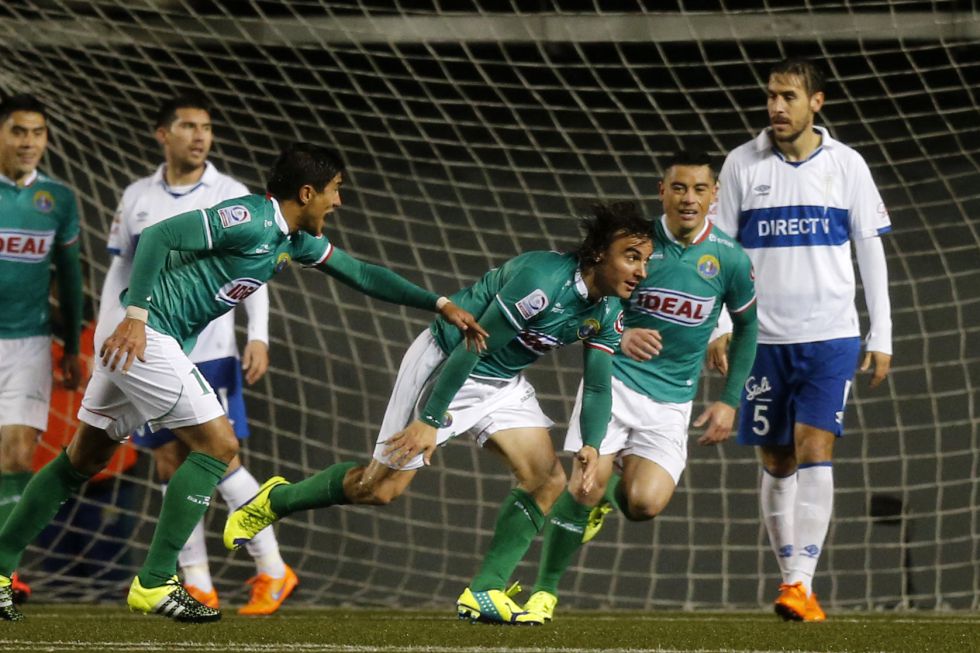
<point>764,143</point>
<point>280,218</point>
<point>207,179</point>
<point>702,235</point>
<point>31,178</point>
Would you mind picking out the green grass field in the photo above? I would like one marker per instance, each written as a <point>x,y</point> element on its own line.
<point>112,628</point>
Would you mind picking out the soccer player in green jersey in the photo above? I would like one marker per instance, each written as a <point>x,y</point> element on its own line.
<point>531,304</point>
<point>38,226</point>
<point>694,269</point>
<point>188,270</point>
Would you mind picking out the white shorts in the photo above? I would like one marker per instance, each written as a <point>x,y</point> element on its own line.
<point>25,381</point>
<point>481,408</point>
<point>167,391</point>
<point>639,426</point>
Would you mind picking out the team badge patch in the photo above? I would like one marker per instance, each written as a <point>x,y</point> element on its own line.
<point>446,421</point>
<point>619,323</point>
<point>588,328</point>
<point>708,266</point>
<point>43,201</point>
<point>282,261</point>
<point>234,215</point>
<point>533,304</point>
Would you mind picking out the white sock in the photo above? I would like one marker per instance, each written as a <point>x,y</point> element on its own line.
<point>237,488</point>
<point>814,505</point>
<point>777,499</point>
<point>193,558</point>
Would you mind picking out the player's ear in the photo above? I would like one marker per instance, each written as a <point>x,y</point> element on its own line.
<point>816,101</point>
<point>161,135</point>
<point>305,194</point>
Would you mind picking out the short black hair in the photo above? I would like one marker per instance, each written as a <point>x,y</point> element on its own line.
<point>691,158</point>
<point>167,112</point>
<point>607,223</point>
<point>812,76</point>
<point>22,102</point>
<point>301,164</point>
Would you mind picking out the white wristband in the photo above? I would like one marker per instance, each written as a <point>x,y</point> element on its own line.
<point>137,313</point>
<point>442,301</point>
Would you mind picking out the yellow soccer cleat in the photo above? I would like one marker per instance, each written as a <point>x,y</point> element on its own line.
<point>8,611</point>
<point>268,593</point>
<point>209,599</point>
<point>495,607</point>
<point>596,519</point>
<point>542,604</point>
<point>246,522</point>
<point>793,604</point>
<point>169,600</point>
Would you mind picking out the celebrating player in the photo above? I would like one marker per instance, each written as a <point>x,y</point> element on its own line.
<point>695,267</point>
<point>532,304</point>
<point>185,181</point>
<point>38,226</point>
<point>797,199</point>
<point>188,270</point>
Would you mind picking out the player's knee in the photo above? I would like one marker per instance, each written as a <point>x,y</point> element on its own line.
<point>224,447</point>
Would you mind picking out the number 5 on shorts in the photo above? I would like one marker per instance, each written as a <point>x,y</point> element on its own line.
<point>760,423</point>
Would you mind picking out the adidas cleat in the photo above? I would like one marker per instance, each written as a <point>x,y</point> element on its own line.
<point>209,599</point>
<point>268,593</point>
<point>494,607</point>
<point>170,600</point>
<point>20,589</point>
<point>597,518</point>
<point>542,604</point>
<point>8,611</point>
<point>254,515</point>
<point>793,604</point>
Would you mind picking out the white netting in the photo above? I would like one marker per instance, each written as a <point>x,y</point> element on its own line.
<point>474,130</point>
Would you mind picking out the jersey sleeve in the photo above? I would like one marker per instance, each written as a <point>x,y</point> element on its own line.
<point>740,293</point>
<point>869,217</point>
<point>232,227</point>
<point>313,250</point>
<point>68,230</point>
<point>611,330</point>
<point>120,242</point>
<point>729,203</point>
<point>522,297</point>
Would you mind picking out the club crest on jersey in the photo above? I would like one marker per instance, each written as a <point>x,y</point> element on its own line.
<point>25,246</point>
<point>446,421</point>
<point>673,306</point>
<point>43,201</point>
<point>533,304</point>
<point>236,290</point>
<point>281,262</point>
<point>588,328</point>
<point>708,266</point>
<point>234,215</point>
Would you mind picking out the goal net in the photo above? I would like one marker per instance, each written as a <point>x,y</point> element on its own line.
<point>479,129</point>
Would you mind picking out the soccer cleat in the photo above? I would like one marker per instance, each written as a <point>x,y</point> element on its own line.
<point>268,593</point>
<point>254,515</point>
<point>21,590</point>
<point>793,604</point>
<point>170,600</point>
<point>8,611</point>
<point>596,518</point>
<point>542,604</point>
<point>209,599</point>
<point>495,607</point>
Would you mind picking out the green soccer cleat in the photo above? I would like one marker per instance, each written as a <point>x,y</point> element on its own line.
<point>170,600</point>
<point>8,611</point>
<point>542,604</point>
<point>256,513</point>
<point>596,518</point>
<point>494,607</point>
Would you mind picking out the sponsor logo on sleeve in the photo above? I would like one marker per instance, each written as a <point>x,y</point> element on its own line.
<point>533,304</point>
<point>619,323</point>
<point>234,215</point>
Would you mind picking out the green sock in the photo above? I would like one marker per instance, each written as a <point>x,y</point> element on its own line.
<point>187,499</point>
<point>562,538</point>
<point>614,496</point>
<point>54,484</point>
<point>12,486</point>
<point>325,488</point>
<point>519,521</point>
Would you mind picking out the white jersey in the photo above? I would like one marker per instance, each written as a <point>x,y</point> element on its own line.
<point>796,220</point>
<point>146,202</point>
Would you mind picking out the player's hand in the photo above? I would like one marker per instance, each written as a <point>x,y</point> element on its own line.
<point>719,417</point>
<point>641,344</point>
<point>718,353</point>
<point>588,458</point>
<point>125,345</point>
<point>476,335</point>
<point>71,371</point>
<point>255,360</point>
<point>880,364</point>
<point>417,438</point>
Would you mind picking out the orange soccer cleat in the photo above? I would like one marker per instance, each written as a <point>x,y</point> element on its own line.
<point>268,593</point>
<point>793,604</point>
<point>209,599</point>
<point>21,591</point>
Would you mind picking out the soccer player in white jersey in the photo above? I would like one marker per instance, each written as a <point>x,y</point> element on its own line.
<point>186,180</point>
<point>797,201</point>
<point>38,227</point>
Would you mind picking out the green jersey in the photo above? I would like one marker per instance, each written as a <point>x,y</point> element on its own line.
<point>544,298</point>
<point>247,242</point>
<point>36,221</point>
<point>681,297</point>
